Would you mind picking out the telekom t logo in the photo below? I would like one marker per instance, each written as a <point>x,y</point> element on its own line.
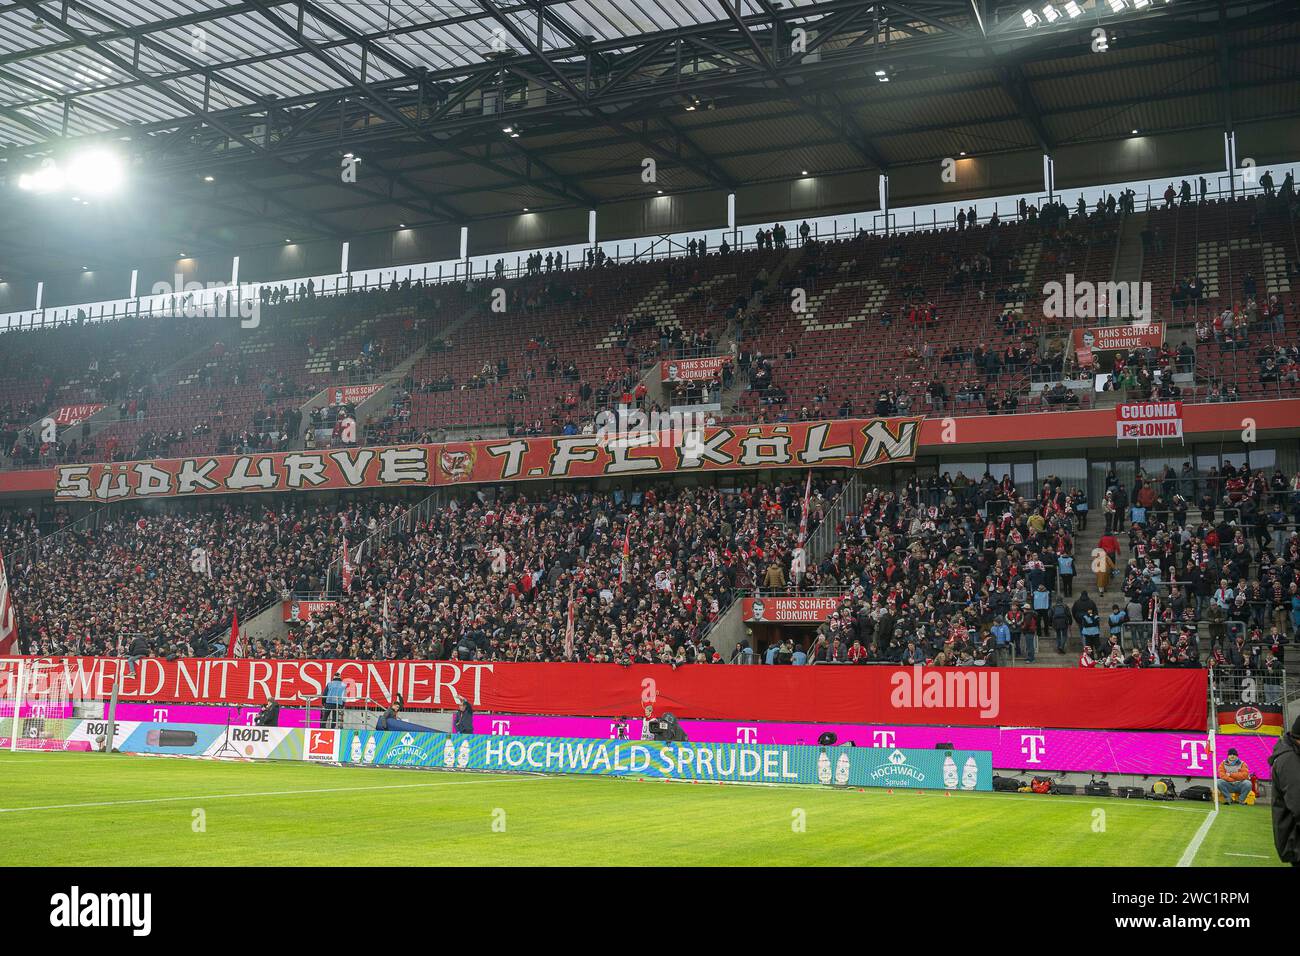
<point>1032,746</point>
<point>500,728</point>
<point>160,715</point>
<point>882,738</point>
<point>1193,751</point>
<point>746,735</point>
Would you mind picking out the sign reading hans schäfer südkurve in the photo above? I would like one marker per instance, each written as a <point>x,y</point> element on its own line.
<point>715,762</point>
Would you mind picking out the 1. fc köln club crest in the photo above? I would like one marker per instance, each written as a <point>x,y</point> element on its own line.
<point>457,464</point>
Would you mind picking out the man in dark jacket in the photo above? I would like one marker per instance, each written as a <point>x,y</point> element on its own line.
<point>138,651</point>
<point>1285,761</point>
<point>463,722</point>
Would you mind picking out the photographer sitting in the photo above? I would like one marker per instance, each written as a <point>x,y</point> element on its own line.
<point>269,715</point>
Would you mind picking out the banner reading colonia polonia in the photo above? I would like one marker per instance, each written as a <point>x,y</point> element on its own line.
<point>714,762</point>
<point>1156,419</point>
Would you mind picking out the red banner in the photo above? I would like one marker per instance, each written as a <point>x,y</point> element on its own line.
<point>70,415</point>
<point>336,470</point>
<point>1149,420</point>
<point>303,611</point>
<point>349,394</point>
<point>1120,338</point>
<point>789,609</point>
<point>1062,697</point>
<point>847,443</point>
<point>694,369</point>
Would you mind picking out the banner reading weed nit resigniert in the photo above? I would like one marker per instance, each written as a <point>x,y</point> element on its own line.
<point>714,762</point>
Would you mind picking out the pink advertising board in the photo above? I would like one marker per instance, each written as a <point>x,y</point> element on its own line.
<point>1013,748</point>
<point>58,709</point>
<point>201,714</point>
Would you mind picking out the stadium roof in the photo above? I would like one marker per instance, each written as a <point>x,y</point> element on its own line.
<point>237,115</point>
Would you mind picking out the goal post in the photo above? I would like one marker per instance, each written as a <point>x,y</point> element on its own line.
<point>36,708</point>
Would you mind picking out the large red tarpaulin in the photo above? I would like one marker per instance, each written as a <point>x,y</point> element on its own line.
<point>1120,338</point>
<point>1059,697</point>
<point>846,443</point>
<point>74,414</point>
<point>790,609</point>
<point>694,369</point>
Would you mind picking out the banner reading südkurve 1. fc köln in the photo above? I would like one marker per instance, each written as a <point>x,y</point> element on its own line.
<point>1165,699</point>
<point>1155,419</point>
<point>844,443</point>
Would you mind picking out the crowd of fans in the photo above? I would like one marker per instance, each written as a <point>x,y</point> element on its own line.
<point>950,570</point>
<point>643,575</point>
<point>955,571</point>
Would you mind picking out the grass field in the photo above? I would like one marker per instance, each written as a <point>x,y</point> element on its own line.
<point>92,809</point>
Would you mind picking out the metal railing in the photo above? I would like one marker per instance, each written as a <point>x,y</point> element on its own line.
<point>404,522</point>
<point>1244,686</point>
<point>822,540</point>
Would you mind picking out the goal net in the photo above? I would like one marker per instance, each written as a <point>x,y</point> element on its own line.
<point>36,708</point>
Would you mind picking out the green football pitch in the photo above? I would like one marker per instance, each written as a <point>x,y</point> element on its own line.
<point>93,809</point>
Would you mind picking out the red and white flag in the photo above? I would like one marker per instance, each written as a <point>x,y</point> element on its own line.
<point>345,568</point>
<point>8,625</point>
<point>233,649</point>
<point>627,552</point>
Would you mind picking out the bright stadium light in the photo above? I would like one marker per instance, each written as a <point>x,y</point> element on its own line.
<point>1072,9</point>
<point>48,179</point>
<point>1116,6</point>
<point>1030,18</point>
<point>1141,4</point>
<point>96,171</point>
<point>1050,14</point>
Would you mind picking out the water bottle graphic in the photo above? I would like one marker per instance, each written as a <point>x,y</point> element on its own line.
<point>370,750</point>
<point>356,749</point>
<point>949,771</point>
<point>842,769</point>
<point>970,774</point>
<point>449,754</point>
<point>823,768</point>
<point>462,755</point>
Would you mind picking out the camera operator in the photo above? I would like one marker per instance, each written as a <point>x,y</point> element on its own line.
<point>269,715</point>
<point>335,698</point>
<point>664,728</point>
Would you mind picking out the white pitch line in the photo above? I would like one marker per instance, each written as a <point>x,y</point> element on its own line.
<point>1253,856</point>
<point>1190,853</point>
<point>264,793</point>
